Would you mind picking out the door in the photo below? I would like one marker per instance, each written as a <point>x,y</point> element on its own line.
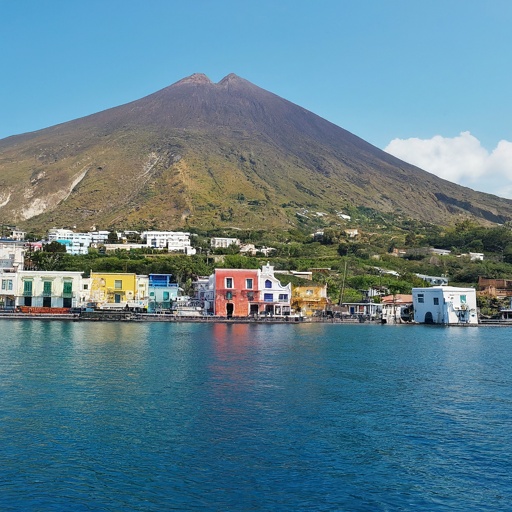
<point>47,302</point>
<point>254,309</point>
<point>67,302</point>
<point>429,319</point>
<point>229,310</point>
<point>117,298</point>
<point>28,301</point>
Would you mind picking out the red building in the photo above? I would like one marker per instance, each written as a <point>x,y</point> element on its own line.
<point>236,292</point>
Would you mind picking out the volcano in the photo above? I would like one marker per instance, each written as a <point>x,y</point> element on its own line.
<point>207,154</point>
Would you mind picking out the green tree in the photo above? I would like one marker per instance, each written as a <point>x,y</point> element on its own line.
<point>49,257</point>
<point>410,239</point>
<point>343,249</point>
<point>112,238</point>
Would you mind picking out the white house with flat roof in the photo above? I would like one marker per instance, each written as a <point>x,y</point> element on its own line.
<point>99,237</point>
<point>38,288</point>
<point>434,280</point>
<point>444,305</point>
<point>12,255</point>
<point>8,287</point>
<point>223,242</point>
<point>173,241</point>
<point>75,243</point>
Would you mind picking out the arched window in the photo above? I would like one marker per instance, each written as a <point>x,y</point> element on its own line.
<point>268,283</point>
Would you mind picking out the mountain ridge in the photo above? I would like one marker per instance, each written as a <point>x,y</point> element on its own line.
<point>206,154</point>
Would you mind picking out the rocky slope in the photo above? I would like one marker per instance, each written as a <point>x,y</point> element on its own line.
<point>206,154</point>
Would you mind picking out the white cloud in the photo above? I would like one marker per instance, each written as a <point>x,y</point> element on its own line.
<point>462,160</point>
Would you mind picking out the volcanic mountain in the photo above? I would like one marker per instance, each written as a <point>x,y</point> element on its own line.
<point>205,154</point>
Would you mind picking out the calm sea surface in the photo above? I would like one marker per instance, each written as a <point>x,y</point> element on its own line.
<point>152,416</point>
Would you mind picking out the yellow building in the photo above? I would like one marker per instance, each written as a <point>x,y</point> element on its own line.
<point>119,290</point>
<point>310,298</point>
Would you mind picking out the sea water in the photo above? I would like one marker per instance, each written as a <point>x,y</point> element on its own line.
<point>158,417</point>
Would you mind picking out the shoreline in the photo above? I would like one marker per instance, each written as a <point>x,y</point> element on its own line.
<point>140,318</point>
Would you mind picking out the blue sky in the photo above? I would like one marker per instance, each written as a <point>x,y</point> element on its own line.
<point>382,69</point>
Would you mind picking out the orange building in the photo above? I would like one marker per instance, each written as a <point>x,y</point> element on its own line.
<point>236,292</point>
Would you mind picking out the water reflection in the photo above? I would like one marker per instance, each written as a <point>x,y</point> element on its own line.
<point>117,416</point>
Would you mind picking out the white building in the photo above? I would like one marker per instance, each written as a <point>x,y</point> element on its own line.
<point>201,287</point>
<point>123,247</point>
<point>396,309</point>
<point>173,241</point>
<point>248,249</point>
<point>99,237</point>
<point>476,256</point>
<point>76,243</point>
<point>44,289</point>
<point>223,242</point>
<point>8,287</point>
<point>445,305</point>
<point>18,235</point>
<point>12,255</point>
<point>276,297</point>
<point>434,280</point>
<point>440,252</point>
<point>352,233</point>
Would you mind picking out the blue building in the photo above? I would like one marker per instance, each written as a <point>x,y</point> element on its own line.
<point>162,293</point>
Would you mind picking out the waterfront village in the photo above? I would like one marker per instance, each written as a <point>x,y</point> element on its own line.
<point>263,293</point>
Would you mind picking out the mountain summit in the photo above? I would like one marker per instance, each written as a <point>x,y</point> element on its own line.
<point>205,153</point>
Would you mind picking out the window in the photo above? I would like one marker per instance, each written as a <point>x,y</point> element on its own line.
<point>309,292</point>
<point>268,283</point>
<point>4,284</point>
<point>250,295</point>
<point>68,287</point>
<point>421,298</point>
<point>86,286</point>
<point>118,285</point>
<point>268,297</point>
<point>283,297</point>
<point>229,282</point>
<point>27,287</point>
<point>47,287</point>
<point>229,295</point>
<point>463,299</point>
<point>9,285</point>
<point>248,284</point>
<point>436,301</point>
<point>166,295</point>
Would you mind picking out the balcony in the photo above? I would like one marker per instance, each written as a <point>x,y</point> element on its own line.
<point>67,295</point>
<point>47,293</point>
<point>27,293</point>
<point>119,291</point>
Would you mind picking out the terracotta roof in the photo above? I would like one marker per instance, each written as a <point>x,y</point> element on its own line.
<point>399,299</point>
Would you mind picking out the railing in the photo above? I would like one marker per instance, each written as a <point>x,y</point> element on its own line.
<point>47,293</point>
<point>67,295</point>
<point>27,293</point>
